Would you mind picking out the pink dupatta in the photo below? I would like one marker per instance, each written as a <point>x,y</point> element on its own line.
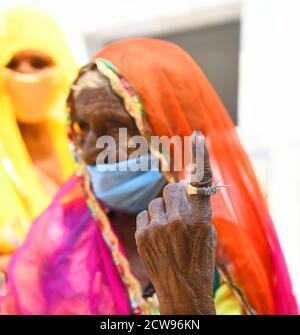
<point>73,273</point>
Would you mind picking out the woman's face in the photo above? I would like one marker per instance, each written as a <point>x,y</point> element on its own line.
<point>100,112</point>
<point>30,61</point>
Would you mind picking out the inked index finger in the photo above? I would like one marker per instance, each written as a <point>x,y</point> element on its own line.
<point>201,174</point>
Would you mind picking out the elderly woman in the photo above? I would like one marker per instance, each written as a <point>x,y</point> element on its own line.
<point>90,253</point>
<point>36,69</point>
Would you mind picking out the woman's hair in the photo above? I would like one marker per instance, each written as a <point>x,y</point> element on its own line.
<point>91,78</point>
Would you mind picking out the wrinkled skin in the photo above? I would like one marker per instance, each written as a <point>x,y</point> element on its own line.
<point>100,112</point>
<point>176,241</point>
<point>173,242</point>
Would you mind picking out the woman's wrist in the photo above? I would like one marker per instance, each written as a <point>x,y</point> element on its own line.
<point>185,306</point>
<point>187,299</point>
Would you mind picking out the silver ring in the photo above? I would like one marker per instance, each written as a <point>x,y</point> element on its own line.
<point>205,191</point>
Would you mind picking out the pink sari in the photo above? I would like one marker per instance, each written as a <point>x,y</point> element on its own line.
<point>73,273</point>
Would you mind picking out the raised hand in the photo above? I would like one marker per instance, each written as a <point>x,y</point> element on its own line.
<point>176,242</point>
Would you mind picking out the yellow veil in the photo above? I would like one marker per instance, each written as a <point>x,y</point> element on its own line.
<point>21,195</point>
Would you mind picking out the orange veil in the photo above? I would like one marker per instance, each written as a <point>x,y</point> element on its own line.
<point>178,99</point>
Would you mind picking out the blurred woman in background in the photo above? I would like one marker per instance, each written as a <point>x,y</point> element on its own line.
<point>36,68</point>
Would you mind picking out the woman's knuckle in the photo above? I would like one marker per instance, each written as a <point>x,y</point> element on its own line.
<point>141,216</point>
<point>171,188</point>
<point>155,203</point>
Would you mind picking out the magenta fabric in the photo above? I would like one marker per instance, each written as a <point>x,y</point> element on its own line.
<point>73,272</point>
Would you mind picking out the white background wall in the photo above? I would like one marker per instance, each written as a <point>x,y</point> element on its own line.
<point>269,112</point>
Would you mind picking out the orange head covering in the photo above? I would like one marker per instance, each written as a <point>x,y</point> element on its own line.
<point>178,99</point>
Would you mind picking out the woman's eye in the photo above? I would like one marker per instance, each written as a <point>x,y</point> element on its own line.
<point>13,64</point>
<point>117,125</point>
<point>39,63</point>
<point>115,128</point>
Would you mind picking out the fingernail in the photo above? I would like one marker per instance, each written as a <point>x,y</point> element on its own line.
<point>197,136</point>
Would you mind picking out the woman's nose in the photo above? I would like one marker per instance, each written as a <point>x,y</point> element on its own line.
<point>89,149</point>
<point>25,67</point>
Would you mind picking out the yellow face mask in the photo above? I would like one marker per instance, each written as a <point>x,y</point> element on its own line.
<point>32,95</point>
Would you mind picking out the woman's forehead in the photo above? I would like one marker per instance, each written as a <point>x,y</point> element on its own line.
<point>101,97</point>
<point>98,102</point>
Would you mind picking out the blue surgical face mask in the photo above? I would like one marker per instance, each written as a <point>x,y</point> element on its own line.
<point>123,189</point>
